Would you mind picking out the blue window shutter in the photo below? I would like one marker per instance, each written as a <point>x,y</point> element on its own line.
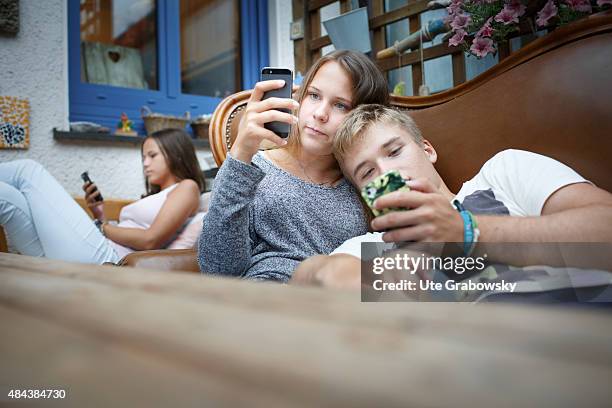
<point>172,55</point>
<point>254,38</point>
<point>263,35</point>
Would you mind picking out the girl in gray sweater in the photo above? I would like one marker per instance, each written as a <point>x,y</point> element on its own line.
<point>271,210</point>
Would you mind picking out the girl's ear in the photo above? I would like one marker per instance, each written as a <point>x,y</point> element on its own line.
<point>431,153</point>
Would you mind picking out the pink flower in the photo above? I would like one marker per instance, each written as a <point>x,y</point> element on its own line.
<point>506,16</point>
<point>580,5</point>
<point>516,6</point>
<point>454,9</point>
<point>457,39</point>
<point>548,11</point>
<point>601,3</point>
<point>486,30</point>
<point>481,47</point>
<point>460,21</point>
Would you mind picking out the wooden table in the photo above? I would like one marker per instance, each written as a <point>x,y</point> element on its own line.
<point>129,337</point>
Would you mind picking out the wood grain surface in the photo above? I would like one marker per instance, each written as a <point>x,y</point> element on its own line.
<point>132,337</point>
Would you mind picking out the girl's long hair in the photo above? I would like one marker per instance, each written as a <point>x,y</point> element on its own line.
<point>180,156</point>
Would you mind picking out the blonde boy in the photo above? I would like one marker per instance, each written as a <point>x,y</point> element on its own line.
<point>517,196</point>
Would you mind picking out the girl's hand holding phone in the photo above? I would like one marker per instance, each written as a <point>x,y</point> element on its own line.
<point>93,203</point>
<point>257,113</point>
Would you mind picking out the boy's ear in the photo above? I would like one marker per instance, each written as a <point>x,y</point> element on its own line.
<point>431,153</point>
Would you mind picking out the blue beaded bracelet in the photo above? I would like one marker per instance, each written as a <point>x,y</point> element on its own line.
<point>470,232</point>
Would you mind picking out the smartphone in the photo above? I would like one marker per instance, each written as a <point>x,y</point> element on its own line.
<point>381,185</point>
<point>86,179</point>
<point>269,73</point>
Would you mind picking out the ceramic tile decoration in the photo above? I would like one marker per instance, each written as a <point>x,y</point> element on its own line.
<point>14,123</point>
<point>9,17</point>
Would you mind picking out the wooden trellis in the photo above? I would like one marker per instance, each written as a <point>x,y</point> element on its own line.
<point>308,50</point>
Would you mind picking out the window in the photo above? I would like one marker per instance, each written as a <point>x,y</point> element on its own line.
<point>170,55</point>
<point>210,68</point>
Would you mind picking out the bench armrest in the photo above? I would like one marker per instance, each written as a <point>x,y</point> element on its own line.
<point>163,259</point>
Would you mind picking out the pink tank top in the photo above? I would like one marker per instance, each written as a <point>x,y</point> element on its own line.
<point>140,214</point>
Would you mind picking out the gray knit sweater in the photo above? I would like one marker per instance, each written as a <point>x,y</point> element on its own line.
<point>262,221</point>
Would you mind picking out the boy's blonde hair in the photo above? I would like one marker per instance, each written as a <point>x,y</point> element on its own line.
<point>359,121</point>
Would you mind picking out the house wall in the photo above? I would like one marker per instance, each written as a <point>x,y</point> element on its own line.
<point>34,65</point>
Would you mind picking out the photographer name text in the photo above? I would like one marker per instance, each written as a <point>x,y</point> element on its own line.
<point>408,285</point>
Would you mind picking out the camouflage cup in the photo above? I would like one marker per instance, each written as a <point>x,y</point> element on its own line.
<point>381,185</point>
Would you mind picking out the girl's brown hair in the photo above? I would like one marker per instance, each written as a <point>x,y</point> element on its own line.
<point>369,84</point>
<point>180,156</point>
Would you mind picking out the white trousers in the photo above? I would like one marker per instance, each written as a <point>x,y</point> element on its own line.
<point>41,219</point>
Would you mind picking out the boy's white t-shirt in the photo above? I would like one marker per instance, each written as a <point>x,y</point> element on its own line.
<point>513,182</point>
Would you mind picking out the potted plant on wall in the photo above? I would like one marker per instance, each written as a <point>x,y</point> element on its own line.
<point>480,25</point>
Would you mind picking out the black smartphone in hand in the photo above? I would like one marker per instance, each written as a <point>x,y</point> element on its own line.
<point>269,73</point>
<point>86,179</point>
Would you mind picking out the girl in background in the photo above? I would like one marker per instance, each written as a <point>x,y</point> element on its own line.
<point>41,219</point>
